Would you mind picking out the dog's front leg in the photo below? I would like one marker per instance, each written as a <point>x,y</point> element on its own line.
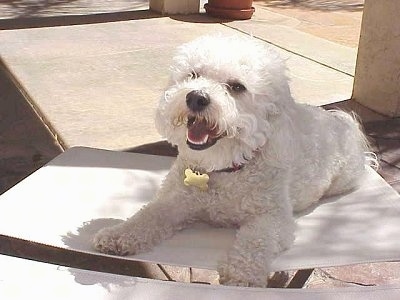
<point>258,242</point>
<point>155,222</point>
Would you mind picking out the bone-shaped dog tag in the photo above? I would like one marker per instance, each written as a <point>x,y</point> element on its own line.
<point>196,179</point>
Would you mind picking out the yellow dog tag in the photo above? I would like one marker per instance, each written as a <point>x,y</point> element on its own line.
<point>196,179</point>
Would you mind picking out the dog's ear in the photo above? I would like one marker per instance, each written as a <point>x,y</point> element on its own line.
<point>272,110</point>
<point>280,149</point>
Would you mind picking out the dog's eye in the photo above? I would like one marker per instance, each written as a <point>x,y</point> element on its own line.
<point>193,75</point>
<point>236,87</point>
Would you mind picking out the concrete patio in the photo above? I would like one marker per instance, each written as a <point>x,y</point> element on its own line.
<point>77,74</point>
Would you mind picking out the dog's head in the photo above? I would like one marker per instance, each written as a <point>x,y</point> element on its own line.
<point>222,95</point>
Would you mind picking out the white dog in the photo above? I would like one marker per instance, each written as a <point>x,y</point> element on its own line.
<point>249,156</point>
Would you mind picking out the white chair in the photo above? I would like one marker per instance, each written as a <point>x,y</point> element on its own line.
<point>63,204</point>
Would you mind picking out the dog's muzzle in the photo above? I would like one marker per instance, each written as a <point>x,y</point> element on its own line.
<point>201,133</point>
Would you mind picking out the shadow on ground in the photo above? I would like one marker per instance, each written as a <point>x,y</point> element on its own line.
<point>29,8</point>
<point>67,20</point>
<point>25,143</point>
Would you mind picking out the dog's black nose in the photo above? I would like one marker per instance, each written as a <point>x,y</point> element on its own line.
<point>197,100</point>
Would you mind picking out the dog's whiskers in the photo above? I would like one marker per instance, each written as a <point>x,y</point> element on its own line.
<point>179,120</point>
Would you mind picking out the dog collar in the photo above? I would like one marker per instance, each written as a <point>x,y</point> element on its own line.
<point>199,180</point>
<point>235,168</point>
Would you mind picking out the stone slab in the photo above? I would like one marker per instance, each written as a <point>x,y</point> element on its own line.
<point>372,274</point>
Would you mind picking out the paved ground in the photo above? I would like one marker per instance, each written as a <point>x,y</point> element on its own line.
<point>85,76</point>
<point>97,83</point>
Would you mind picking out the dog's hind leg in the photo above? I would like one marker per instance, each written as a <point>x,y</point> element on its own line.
<point>351,153</point>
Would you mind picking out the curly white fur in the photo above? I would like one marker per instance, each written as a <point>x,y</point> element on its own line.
<point>290,156</point>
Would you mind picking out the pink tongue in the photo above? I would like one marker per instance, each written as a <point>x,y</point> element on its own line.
<point>198,132</point>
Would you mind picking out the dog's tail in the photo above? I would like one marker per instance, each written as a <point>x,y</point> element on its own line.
<point>372,160</point>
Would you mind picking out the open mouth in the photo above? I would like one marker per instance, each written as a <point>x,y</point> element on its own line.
<point>200,134</point>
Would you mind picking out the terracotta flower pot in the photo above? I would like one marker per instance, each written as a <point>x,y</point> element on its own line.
<point>230,9</point>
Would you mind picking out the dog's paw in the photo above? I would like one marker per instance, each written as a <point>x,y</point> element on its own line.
<point>232,275</point>
<point>228,276</point>
<point>115,241</point>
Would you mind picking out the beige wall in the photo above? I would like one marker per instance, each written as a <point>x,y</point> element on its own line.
<point>377,77</point>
